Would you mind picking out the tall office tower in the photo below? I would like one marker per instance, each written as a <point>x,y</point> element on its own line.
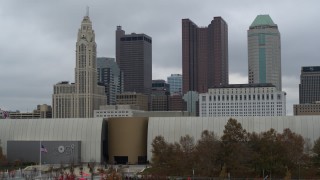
<point>134,57</point>
<point>264,52</point>
<point>175,82</point>
<point>79,99</point>
<point>111,77</point>
<point>204,55</point>
<point>309,87</point>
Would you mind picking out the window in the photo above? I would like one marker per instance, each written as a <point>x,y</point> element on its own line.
<point>279,96</point>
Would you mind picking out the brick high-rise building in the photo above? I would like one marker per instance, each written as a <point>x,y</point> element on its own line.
<point>134,57</point>
<point>204,55</point>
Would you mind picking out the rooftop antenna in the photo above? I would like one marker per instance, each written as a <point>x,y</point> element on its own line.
<point>87,14</point>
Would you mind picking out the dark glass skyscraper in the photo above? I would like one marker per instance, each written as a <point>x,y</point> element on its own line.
<point>309,87</point>
<point>204,55</point>
<point>134,57</point>
<point>111,77</point>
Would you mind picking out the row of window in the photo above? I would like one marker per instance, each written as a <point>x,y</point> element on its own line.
<point>99,112</point>
<point>116,115</point>
<point>241,103</point>
<point>241,97</point>
<point>240,114</point>
<point>139,38</point>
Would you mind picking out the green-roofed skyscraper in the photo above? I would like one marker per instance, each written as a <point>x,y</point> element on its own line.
<point>264,52</point>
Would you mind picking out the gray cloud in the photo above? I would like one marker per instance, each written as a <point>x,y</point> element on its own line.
<point>37,39</point>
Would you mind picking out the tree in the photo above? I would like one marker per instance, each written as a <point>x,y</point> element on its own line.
<point>270,153</point>
<point>175,160</point>
<point>159,148</point>
<point>2,156</point>
<point>206,153</point>
<point>316,147</point>
<point>316,151</point>
<point>233,132</point>
<point>293,147</point>
<point>254,144</point>
<point>234,147</point>
<point>187,154</point>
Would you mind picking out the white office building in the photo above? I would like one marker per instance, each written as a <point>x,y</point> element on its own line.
<point>242,100</point>
<point>116,111</point>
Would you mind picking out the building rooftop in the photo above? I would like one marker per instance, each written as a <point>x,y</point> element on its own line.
<point>310,69</point>
<point>63,82</point>
<point>262,20</point>
<point>244,85</point>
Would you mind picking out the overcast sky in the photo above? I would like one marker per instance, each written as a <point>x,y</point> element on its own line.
<point>37,39</point>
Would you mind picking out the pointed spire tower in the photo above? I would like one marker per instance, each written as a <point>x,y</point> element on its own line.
<point>80,99</point>
<point>89,96</point>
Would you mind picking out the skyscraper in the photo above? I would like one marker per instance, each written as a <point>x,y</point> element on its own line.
<point>264,52</point>
<point>111,77</point>
<point>309,87</point>
<point>175,82</point>
<point>79,99</point>
<point>134,57</point>
<point>204,55</point>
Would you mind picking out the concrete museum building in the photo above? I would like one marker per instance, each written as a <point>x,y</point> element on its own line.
<point>124,140</point>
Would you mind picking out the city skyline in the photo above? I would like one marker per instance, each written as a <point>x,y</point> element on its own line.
<point>37,47</point>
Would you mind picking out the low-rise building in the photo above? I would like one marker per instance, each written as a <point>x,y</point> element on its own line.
<point>243,100</point>
<point>109,111</point>
<point>136,99</point>
<point>116,111</point>
<point>42,111</point>
<point>306,109</point>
